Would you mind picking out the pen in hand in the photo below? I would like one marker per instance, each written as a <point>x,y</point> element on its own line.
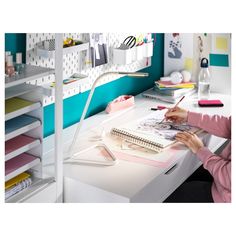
<point>172,109</point>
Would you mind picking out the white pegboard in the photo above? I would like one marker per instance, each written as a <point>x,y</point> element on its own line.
<point>74,62</point>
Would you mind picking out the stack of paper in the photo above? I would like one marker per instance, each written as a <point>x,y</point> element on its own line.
<point>168,84</point>
<point>17,184</point>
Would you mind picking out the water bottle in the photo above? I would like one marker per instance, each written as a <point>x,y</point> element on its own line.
<point>204,81</point>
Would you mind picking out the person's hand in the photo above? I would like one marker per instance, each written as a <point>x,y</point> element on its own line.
<point>191,140</point>
<point>176,115</point>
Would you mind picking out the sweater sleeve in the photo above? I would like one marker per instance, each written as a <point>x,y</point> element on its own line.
<point>219,167</point>
<point>216,124</point>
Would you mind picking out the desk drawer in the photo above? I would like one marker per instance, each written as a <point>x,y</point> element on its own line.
<point>160,188</point>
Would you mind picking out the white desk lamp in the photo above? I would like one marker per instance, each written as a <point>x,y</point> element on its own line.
<point>74,156</point>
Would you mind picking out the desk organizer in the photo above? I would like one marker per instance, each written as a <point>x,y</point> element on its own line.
<point>127,56</point>
<point>24,131</point>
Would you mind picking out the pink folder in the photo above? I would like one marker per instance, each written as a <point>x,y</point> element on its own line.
<point>17,142</point>
<point>17,162</point>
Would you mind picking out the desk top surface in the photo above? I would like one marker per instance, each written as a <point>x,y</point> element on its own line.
<point>127,178</point>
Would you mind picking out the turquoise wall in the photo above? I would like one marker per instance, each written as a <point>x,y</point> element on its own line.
<point>16,43</point>
<point>74,105</point>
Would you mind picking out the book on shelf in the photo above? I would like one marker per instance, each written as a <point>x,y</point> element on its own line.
<point>17,184</point>
<point>149,133</point>
<point>152,93</point>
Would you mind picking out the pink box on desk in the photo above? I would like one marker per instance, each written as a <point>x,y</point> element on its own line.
<point>120,103</point>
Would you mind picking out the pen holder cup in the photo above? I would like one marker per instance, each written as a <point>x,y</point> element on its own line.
<point>124,56</point>
<point>140,52</point>
<point>148,49</point>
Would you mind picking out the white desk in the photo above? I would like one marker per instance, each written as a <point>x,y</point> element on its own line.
<point>129,181</point>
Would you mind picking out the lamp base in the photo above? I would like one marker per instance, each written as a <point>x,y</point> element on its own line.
<point>93,156</point>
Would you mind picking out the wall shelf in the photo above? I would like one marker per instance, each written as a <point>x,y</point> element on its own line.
<point>51,54</point>
<point>19,145</point>
<point>29,73</point>
<point>50,91</point>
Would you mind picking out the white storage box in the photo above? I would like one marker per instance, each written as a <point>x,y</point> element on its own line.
<point>148,49</point>
<point>124,56</point>
<point>140,52</point>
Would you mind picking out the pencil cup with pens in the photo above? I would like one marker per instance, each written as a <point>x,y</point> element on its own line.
<point>133,49</point>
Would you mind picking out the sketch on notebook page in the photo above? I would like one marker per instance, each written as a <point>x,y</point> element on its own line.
<point>167,130</point>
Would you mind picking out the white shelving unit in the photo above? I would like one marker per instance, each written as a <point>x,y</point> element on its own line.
<point>24,132</point>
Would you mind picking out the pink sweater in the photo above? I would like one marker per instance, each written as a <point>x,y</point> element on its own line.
<point>218,166</point>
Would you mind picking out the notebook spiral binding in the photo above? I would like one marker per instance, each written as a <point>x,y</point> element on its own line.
<point>137,140</point>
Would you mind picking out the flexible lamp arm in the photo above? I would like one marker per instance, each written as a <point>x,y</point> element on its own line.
<point>133,74</point>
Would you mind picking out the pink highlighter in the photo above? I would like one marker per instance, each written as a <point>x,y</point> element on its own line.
<point>210,103</point>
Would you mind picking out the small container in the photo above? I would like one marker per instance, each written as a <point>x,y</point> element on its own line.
<point>7,53</point>
<point>123,56</point>
<point>139,52</point>
<point>19,66</point>
<point>148,49</point>
<point>10,70</point>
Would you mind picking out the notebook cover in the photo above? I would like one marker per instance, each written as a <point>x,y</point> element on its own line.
<point>16,180</point>
<point>169,84</point>
<point>17,142</point>
<point>14,104</point>
<point>18,122</point>
<point>17,162</point>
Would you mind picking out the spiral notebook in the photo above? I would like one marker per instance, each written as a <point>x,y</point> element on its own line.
<point>149,133</point>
